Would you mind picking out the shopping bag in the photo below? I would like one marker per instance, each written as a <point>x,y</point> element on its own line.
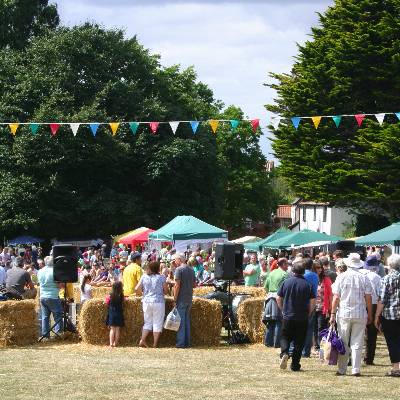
<point>327,348</point>
<point>333,356</point>
<point>173,320</point>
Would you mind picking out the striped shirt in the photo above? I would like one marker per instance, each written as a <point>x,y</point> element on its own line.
<point>351,287</point>
<point>390,295</point>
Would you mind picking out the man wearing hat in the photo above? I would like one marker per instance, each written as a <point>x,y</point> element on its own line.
<point>352,302</point>
<point>132,274</point>
<point>370,270</point>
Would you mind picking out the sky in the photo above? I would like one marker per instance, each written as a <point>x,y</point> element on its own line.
<point>233,45</point>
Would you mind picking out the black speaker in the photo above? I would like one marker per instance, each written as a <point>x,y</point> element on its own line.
<point>65,258</point>
<point>228,261</point>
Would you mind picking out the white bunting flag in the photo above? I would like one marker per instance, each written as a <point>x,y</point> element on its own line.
<point>74,127</point>
<point>275,121</point>
<point>380,118</point>
<point>174,126</point>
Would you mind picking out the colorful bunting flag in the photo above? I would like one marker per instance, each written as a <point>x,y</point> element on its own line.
<point>174,126</point>
<point>194,125</point>
<point>398,115</point>
<point>134,127</point>
<point>13,128</point>
<point>275,121</point>
<point>154,127</point>
<point>380,118</point>
<point>359,118</point>
<point>114,127</point>
<point>255,123</point>
<point>54,128</point>
<point>296,121</point>
<point>337,119</point>
<point>316,121</point>
<point>93,128</point>
<point>34,128</point>
<point>234,124</point>
<point>214,125</point>
<point>74,127</point>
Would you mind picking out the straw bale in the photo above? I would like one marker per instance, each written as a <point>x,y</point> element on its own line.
<point>18,323</point>
<point>206,323</point>
<point>253,291</point>
<point>250,319</point>
<point>97,292</point>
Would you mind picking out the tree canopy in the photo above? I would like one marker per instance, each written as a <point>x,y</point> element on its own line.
<point>350,65</point>
<point>85,185</point>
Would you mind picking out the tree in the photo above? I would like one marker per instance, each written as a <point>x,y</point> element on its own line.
<point>86,185</point>
<point>349,66</point>
<point>21,20</point>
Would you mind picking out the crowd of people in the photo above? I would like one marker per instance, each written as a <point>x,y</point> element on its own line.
<point>304,296</point>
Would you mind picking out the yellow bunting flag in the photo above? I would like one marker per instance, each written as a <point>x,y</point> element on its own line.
<point>13,128</point>
<point>214,125</point>
<point>114,127</point>
<point>316,121</point>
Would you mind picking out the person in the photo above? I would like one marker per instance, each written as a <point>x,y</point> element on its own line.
<point>387,317</point>
<point>252,272</point>
<point>19,284</point>
<point>40,263</point>
<point>115,314</point>
<point>272,284</point>
<point>208,276</point>
<point>371,267</point>
<point>86,288</point>
<point>132,274</point>
<point>352,290</point>
<point>185,281</point>
<point>312,278</point>
<point>5,258</point>
<point>50,302</point>
<point>3,277</point>
<point>153,286</point>
<point>326,265</point>
<point>323,302</point>
<point>296,299</point>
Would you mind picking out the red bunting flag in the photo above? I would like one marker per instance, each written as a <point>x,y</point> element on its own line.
<point>359,118</point>
<point>255,123</point>
<point>54,128</point>
<point>154,127</point>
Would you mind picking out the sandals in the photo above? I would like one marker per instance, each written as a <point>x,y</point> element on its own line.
<point>394,373</point>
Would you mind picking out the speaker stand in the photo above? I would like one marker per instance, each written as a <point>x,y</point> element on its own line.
<point>229,313</point>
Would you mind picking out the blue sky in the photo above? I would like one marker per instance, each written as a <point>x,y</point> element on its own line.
<point>232,44</point>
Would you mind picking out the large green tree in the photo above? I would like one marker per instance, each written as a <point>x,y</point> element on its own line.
<point>350,65</point>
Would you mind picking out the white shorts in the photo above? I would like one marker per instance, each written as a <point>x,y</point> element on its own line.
<point>153,316</point>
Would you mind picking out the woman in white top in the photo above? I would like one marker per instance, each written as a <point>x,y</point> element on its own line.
<point>86,289</point>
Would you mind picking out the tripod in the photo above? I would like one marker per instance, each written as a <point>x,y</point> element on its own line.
<point>67,323</point>
<point>228,315</point>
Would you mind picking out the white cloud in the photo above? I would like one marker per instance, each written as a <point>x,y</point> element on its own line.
<point>233,45</point>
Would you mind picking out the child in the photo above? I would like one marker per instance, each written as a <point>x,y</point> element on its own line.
<point>115,317</point>
<point>86,288</point>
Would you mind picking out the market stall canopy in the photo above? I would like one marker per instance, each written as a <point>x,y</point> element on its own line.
<point>301,237</point>
<point>246,239</point>
<point>186,227</point>
<point>137,238</point>
<point>123,235</point>
<point>318,243</point>
<point>388,235</point>
<point>24,240</point>
<point>257,246</point>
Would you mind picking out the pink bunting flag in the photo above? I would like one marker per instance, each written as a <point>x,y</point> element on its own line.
<point>255,123</point>
<point>54,128</point>
<point>154,127</point>
<point>359,118</point>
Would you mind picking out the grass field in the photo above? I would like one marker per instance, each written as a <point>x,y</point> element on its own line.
<point>61,370</point>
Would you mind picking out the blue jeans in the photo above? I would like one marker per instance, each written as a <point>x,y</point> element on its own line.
<point>183,334</point>
<point>51,306</point>
<point>309,336</point>
<point>272,336</point>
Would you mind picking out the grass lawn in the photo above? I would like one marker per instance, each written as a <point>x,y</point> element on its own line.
<point>62,370</point>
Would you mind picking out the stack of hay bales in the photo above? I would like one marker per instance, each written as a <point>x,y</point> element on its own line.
<point>18,323</point>
<point>97,292</point>
<point>250,313</point>
<point>253,291</point>
<point>206,323</point>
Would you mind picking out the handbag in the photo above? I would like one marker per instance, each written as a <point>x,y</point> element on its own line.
<point>332,345</point>
<point>173,320</point>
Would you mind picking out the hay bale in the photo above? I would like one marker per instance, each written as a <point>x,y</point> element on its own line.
<point>250,319</point>
<point>97,292</point>
<point>206,323</point>
<point>253,291</point>
<point>18,323</point>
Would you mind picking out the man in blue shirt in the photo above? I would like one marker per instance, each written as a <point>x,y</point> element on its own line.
<point>312,278</point>
<point>50,302</point>
<point>296,299</point>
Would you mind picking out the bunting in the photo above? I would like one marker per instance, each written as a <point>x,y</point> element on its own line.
<point>34,128</point>
<point>74,127</point>
<point>134,127</point>
<point>380,118</point>
<point>194,125</point>
<point>13,128</point>
<point>174,126</point>
<point>54,128</point>
<point>234,124</point>
<point>296,122</point>
<point>275,121</point>
<point>255,123</point>
<point>359,118</point>
<point>316,121</point>
<point>154,127</point>
<point>214,125</point>
<point>93,128</point>
<point>114,127</point>
<point>337,119</point>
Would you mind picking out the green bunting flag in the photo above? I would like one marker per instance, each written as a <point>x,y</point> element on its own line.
<point>134,127</point>
<point>34,128</point>
<point>337,119</point>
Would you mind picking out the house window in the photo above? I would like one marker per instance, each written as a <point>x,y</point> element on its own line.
<point>304,213</point>
<point>325,213</point>
<point>315,213</point>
